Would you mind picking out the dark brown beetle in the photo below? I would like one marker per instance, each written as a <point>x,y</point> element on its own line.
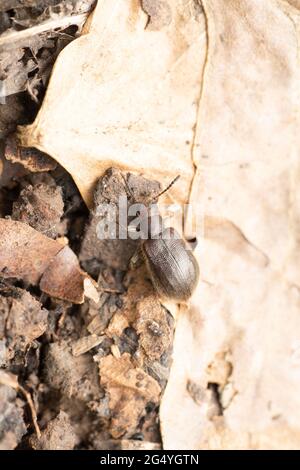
<point>174,269</point>
<point>172,266</point>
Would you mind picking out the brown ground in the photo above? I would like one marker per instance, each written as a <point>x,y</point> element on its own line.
<point>83,360</point>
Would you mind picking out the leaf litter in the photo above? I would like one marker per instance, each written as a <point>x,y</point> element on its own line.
<point>113,105</point>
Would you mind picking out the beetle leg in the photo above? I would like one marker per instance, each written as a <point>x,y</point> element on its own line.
<point>136,259</point>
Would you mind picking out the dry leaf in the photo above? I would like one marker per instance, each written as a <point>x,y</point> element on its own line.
<point>247,179</point>
<point>130,389</point>
<point>12,426</point>
<point>30,158</point>
<point>31,38</point>
<point>58,435</point>
<point>28,255</point>
<point>114,101</point>
<point>41,206</point>
<point>153,327</point>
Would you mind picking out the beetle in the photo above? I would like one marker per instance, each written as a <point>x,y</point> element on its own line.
<point>173,268</point>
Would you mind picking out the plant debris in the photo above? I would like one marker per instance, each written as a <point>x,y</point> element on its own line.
<point>11,380</point>
<point>31,37</point>
<point>22,320</point>
<point>91,355</point>
<point>58,435</point>
<point>152,133</point>
<point>88,373</point>
<point>30,158</point>
<point>130,389</point>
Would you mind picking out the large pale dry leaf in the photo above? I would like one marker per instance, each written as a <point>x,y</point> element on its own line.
<point>126,94</point>
<point>247,306</point>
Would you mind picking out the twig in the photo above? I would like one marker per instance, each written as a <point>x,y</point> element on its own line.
<point>11,37</point>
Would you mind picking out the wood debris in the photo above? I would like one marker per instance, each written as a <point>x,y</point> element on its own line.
<point>31,158</point>
<point>58,435</point>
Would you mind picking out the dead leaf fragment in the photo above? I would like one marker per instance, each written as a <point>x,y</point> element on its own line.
<point>83,345</point>
<point>117,325</point>
<point>123,373</point>
<point>152,325</point>
<point>150,99</point>
<point>63,278</point>
<point>26,319</point>
<point>28,255</point>
<point>40,206</point>
<point>90,289</point>
<point>129,389</point>
<point>31,158</point>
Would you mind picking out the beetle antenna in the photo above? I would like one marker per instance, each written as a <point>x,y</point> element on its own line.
<point>167,188</point>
